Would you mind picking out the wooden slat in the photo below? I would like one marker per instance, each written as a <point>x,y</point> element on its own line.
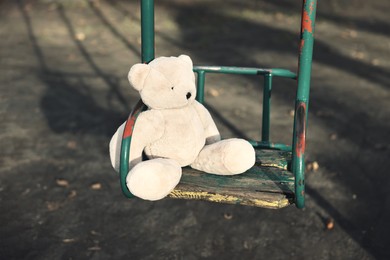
<point>272,158</point>
<point>261,186</point>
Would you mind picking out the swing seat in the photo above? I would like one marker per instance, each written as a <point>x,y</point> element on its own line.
<point>268,184</point>
<point>277,178</point>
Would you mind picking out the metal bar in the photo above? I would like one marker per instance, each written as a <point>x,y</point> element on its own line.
<point>271,146</point>
<point>200,86</point>
<point>202,70</point>
<point>125,146</point>
<point>266,120</point>
<point>147,30</point>
<point>246,71</point>
<point>302,98</point>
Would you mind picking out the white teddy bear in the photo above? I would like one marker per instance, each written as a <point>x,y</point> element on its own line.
<point>174,132</point>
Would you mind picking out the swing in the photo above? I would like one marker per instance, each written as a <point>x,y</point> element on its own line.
<point>277,178</point>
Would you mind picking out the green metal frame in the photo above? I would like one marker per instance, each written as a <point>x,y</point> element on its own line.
<point>301,101</point>
<point>268,74</point>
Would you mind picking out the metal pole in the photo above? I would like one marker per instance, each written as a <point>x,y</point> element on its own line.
<point>147,55</point>
<point>147,30</point>
<point>302,99</point>
<point>200,86</point>
<point>265,129</point>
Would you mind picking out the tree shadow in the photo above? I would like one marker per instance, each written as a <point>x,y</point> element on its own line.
<point>112,28</point>
<point>371,25</point>
<point>70,108</point>
<point>226,37</point>
<point>68,102</point>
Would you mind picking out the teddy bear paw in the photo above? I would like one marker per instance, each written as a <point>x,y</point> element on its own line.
<point>239,155</point>
<point>154,179</point>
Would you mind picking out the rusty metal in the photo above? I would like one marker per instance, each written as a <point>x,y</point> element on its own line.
<point>302,98</point>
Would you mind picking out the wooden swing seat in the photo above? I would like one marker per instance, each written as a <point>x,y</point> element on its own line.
<point>268,184</point>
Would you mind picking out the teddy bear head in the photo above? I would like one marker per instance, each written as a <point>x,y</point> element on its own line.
<point>165,83</point>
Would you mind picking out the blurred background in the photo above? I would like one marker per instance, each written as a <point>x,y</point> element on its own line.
<point>64,91</point>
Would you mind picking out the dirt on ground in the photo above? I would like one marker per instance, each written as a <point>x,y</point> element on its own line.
<point>64,91</point>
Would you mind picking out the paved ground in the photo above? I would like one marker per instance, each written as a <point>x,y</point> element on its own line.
<point>63,67</point>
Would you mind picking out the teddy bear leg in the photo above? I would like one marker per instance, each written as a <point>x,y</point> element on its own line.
<point>226,157</point>
<point>154,179</point>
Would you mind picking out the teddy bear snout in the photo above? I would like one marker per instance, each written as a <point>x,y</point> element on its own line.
<point>188,95</point>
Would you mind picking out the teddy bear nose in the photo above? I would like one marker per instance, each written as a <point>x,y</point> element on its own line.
<point>188,95</point>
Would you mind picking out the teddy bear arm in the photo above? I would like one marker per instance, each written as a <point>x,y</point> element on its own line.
<point>115,147</point>
<point>211,131</point>
<point>148,128</point>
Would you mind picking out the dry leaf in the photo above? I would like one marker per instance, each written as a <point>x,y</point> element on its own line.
<point>228,216</point>
<point>279,16</point>
<point>316,166</point>
<point>313,166</point>
<point>96,186</point>
<point>52,205</point>
<point>349,34</point>
<point>72,194</point>
<point>358,55</point>
<point>213,92</point>
<point>71,57</point>
<point>375,62</point>
<point>80,36</point>
<point>71,144</point>
<point>68,240</point>
<point>353,33</point>
<point>291,112</point>
<point>309,166</point>
<point>329,224</point>
<point>94,248</point>
<point>27,191</point>
<point>62,182</point>
<point>95,233</point>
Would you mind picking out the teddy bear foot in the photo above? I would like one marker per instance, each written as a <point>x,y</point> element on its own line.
<point>226,157</point>
<point>239,155</point>
<point>154,179</point>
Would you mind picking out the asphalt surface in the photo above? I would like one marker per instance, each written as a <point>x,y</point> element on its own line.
<point>64,91</point>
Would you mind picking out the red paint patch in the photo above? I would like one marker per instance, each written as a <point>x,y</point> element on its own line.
<point>301,145</point>
<point>306,22</point>
<point>301,45</point>
<point>311,7</point>
<point>128,131</point>
<point>301,129</point>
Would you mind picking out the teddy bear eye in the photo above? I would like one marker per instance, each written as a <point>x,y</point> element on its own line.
<point>172,88</point>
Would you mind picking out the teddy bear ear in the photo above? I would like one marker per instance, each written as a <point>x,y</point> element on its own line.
<point>187,59</point>
<point>138,74</point>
